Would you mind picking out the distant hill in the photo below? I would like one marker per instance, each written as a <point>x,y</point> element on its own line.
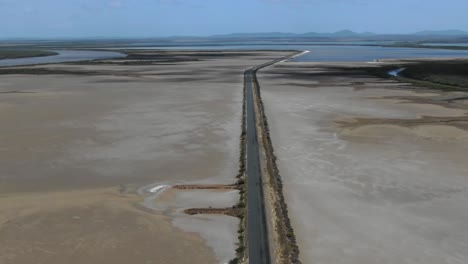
<point>257,35</point>
<point>349,33</point>
<point>346,36</point>
<point>341,33</point>
<point>441,33</point>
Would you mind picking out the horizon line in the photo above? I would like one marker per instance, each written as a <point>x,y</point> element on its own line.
<point>319,34</point>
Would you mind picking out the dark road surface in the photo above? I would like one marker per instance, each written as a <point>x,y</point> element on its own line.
<point>259,249</point>
<point>257,233</point>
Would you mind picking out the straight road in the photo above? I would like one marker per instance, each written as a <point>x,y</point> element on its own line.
<point>257,233</point>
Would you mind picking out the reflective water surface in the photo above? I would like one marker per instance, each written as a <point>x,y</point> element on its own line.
<point>63,56</point>
<point>320,51</point>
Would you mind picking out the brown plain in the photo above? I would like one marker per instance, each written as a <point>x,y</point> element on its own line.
<point>77,141</point>
<point>374,170</point>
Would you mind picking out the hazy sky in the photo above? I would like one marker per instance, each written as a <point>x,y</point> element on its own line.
<point>134,18</point>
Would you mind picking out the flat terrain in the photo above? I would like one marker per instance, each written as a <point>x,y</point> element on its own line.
<point>453,73</point>
<point>14,54</point>
<point>80,141</point>
<point>374,171</point>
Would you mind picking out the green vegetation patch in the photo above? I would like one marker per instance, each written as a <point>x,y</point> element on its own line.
<point>18,53</point>
<point>447,73</point>
<point>420,46</point>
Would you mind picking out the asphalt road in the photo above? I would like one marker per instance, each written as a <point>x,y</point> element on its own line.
<point>257,233</point>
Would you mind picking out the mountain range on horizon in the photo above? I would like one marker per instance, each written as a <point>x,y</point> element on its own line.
<point>344,35</point>
<point>341,33</point>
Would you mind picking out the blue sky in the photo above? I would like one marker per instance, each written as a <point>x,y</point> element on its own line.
<point>152,18</point>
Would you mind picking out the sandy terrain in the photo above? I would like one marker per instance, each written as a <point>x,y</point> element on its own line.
<point>91,226</point>
<point>76,148</point>
<point>374,171</point>
<point>219,231</point>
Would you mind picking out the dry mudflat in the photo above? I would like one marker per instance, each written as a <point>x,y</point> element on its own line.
<point>82,145</point>
<point>374,171</point>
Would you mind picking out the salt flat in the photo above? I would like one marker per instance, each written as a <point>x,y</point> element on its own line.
<point>374,171</point>
<point>79,140</point>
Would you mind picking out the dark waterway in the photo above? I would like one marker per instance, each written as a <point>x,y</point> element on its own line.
<point>319,51</point>
<point>396,72</point>
<point>63,56</point>
<point>447,44</point>
<point>373,53</point>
